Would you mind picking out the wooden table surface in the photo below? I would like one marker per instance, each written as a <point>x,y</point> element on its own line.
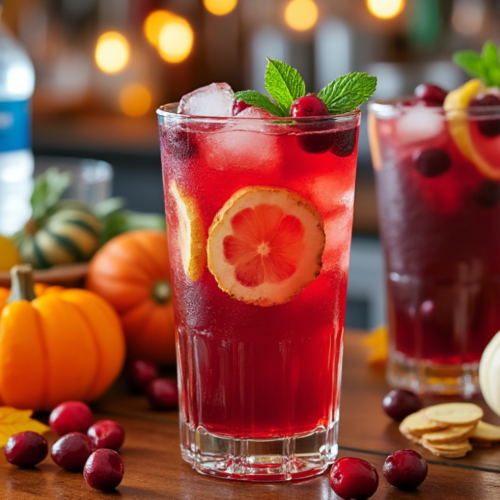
<point>154,469</point>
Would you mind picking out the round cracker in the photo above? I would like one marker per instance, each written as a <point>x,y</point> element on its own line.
<point>450,435</point>
<point>418,424</point>
<point>449,450</point>
<point>486,432</point>
<point>454,413</point>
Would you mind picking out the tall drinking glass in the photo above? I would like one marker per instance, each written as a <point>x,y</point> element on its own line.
<point>259,214</point>
<point>439,206</point>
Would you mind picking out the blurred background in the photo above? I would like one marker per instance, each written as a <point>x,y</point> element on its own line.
<point>104,66</point>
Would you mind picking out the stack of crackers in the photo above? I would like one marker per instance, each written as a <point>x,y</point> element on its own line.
<point>450,430</point>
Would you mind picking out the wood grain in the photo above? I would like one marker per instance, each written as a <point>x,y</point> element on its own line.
<point>154,469</point>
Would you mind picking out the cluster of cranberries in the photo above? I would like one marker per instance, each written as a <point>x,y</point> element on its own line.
<point>143,377</point>
<point>82,446</point>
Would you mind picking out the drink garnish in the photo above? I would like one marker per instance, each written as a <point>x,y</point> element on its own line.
<point>485,66</point>
<point>265,245</point>
<point>285,85</point>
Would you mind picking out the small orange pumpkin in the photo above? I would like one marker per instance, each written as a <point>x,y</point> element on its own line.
<point>132,272</point>
<point>64,345</point>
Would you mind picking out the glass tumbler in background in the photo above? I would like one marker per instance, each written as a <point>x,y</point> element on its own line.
<point>439,206</point>
<point>260,218</point>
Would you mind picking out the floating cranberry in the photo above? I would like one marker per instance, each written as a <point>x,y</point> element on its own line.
<point>316,142</point>
<point>405,470</point>
<point>344,142</point>
<point>353,479</point>
<point>103,470</point>
<point>239,106</point>
<point>308,105</point>
<point>71,451</point>
<point>106,434</point>
<point>179,143</point>
<point>432,162</point>
<point>489,128</point>
<point>162,394</point>
<point>139,373</point>
<point>399,403</point>
<point>71,416</point>
<point>487,194</point>
<point>26,449</point>
<point>430,95</point>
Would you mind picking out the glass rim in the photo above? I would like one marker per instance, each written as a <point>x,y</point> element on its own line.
<point>166,110</point>
<point>388,107</point>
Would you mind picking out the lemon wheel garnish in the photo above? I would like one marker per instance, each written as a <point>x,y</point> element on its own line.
<point>265,245</point>
<point>190,234</point>
<point>455,104</point>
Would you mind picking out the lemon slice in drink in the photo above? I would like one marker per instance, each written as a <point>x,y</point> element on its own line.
<point>265,245</point>
<point>455,104</point>
<point>191,233</point>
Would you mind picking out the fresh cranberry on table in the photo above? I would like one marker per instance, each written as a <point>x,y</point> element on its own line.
<point>405,470</point>
<point>487,194</point>
<point>103,470</point>
<point>429,95</point>
<point>162,394</point>
<point>308,105</point>
<point>71,451</point>
<point>432,162</point>
<point>139,373</point>
<point>489,128</point>
<point>239,106</point>
<point>106,434</point>
<point>26,449</point>
<point>71,416</point>
<point>353,479</point>
<point>344,142</point>
<point>399,403</point>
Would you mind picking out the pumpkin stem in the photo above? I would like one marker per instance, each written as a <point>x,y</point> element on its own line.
<point>30,227</point>
<point>22,284</point>
<point>162,292</point>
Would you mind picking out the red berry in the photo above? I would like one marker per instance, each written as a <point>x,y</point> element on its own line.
<point>26,449</point>
<point>399,403</point>
<point>432,162</point>
<point>308,105</point>
<point>489,128</point>
<point>344,142</point>
<point>71,451</point>
<point>162,394</point>
<point>239,106</point>
<point>139,373</point>
<point>430,95</point>
<point>72,416</point>
<point>353,479</point>
<point>106,434</point>
<point>405,469</point>
<point>487,194</point>
<point>103,470</point>
<point>179,143</point>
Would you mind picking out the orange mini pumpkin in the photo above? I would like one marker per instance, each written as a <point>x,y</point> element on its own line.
<point>64,345</point>
<point>132,272</point>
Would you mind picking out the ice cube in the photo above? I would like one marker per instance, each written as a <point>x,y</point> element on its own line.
<point>330,190</point>
<point>215,99</point>
<point>420,124</point>
<point>254,112</point>
<point>338,231</point>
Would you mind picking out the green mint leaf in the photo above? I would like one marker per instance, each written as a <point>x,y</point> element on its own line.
<point>471,62</point>
<point>255,98</point>
<point>284,84</point>
<point>348,92</point>
<point>492,63</point>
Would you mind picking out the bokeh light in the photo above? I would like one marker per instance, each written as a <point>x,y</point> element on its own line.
<point>220,7</point>
<point>176,40</point>
<point>301,15</point>
<point>135,100</point>
<point>112,52</point>
<point>154,23</point>
<point>385,9</point>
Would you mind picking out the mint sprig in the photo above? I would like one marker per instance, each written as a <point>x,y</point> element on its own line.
<point>347,92</point>
<point>255,98</point>
<point>284,84</point>
<point>485,66</point>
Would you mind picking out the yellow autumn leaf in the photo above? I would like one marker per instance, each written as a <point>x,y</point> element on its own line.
<point>13,421</point>
<point>378,342</point>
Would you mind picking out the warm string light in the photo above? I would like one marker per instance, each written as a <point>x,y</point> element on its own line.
<point>385,9</point>
<point>301,15</point>
<point>112,52</point>
<point>220,7</point>
<point>154,24</point>
<point>135,100</point>
<point>176,40</point>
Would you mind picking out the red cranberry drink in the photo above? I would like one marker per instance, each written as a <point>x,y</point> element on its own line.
<point>259,198</point>
<point>437,161</point>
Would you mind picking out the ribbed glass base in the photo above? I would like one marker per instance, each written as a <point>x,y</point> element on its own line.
<point>433,379</point>
<point>280,459</point>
